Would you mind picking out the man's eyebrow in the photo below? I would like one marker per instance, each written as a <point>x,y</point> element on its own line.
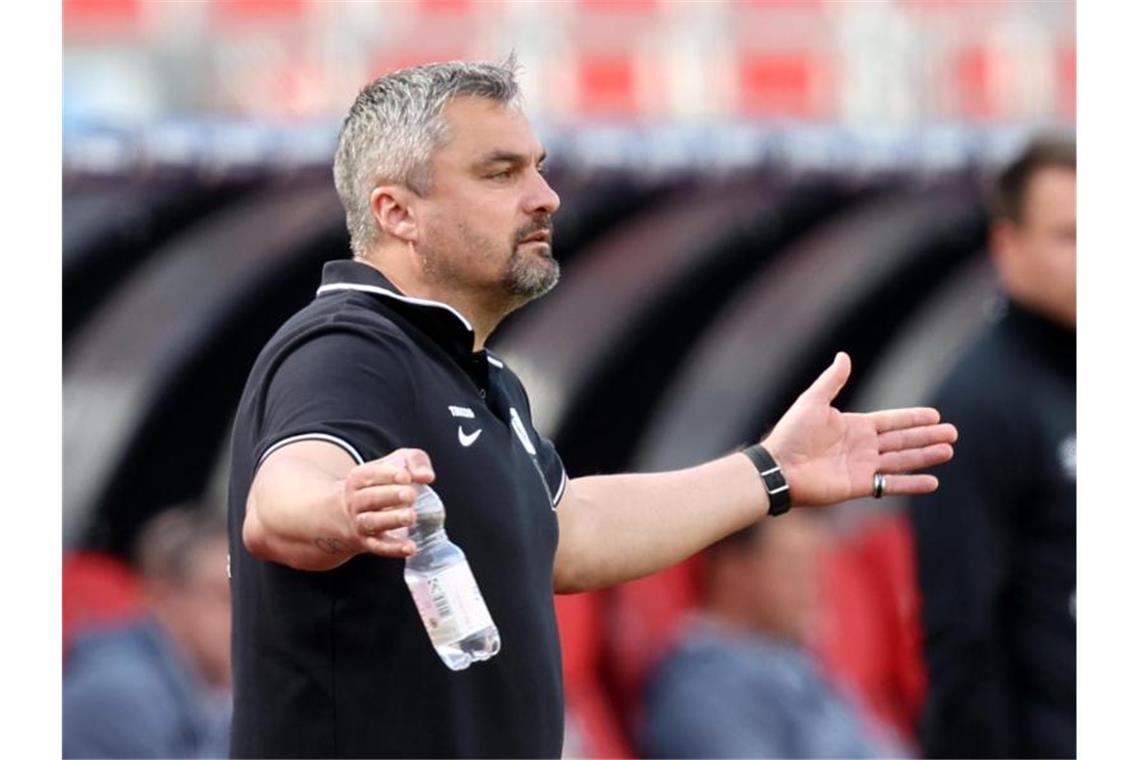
<point>507,157</point>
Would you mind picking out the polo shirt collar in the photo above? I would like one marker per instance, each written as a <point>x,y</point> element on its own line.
<point>439,320</point>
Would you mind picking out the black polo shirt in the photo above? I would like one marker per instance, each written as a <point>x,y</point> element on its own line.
<point>337,663</point>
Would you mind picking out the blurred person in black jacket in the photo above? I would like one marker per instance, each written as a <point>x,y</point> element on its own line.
<point>997,543</point>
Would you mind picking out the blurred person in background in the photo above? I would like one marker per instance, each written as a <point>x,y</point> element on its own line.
<point>997,544</point>
<point>159,687</point>
<point>740,682</point>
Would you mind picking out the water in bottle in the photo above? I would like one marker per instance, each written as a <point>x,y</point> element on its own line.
<point>444,590</point>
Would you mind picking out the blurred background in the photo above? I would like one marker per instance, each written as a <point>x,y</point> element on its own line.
<point>746,188</point>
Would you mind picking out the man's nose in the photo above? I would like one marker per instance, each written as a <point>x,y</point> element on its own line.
<point>542,198</point>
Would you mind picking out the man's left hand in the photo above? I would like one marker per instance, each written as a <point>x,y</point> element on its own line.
<point>829,456</point>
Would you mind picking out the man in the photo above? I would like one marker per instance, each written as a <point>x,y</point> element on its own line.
<point>997,546</point>
<point>159,687</point>
<point>383,382</point>
<point>739,683</point>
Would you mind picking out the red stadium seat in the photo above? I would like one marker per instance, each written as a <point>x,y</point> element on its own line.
<point>974,74</point>
<point>591,711</point>
<point>644,621</point>
<point>607,85</point>
<point>780,84</point>
<point>98,590</point>
<point>1067,78</point>
<point>256,11</point>
<point>99,20</point>
<point>870,637</point>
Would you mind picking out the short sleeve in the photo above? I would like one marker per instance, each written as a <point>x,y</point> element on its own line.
<point>553,471</point>
<point>348,386</point>
<point>546,454</point>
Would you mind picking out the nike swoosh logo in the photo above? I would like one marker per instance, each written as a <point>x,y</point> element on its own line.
<point>466,440</point>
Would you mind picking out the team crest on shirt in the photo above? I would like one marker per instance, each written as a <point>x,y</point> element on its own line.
<point>1067,454</point>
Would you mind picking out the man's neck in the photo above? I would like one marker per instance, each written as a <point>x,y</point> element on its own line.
<point>482,317</point>
<point>734,614</point>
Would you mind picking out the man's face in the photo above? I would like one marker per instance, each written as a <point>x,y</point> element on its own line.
<point>1037,259</point>
<point>486,224</point>
<point>781,576</point>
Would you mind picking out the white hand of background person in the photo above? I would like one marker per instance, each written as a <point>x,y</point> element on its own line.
<point>829,456</point>
<point>378,498</point>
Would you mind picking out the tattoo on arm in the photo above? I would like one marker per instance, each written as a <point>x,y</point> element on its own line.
<point>330,546</point>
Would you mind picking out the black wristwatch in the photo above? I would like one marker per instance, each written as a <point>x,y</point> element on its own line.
<point>779,496</point>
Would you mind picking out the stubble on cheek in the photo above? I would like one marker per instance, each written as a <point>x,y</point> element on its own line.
<point>462,257</point>
<point>452,257</point>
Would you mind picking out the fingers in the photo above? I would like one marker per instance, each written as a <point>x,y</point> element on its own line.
<point>417,462</point>
<point>375,523</point>
<point>375,498</point>
<point>377,473</point>
<point>827,386</point>
<point>917,437</point>
<point>907,485</point>
<point>379,496</point>
<point>387,483</point>
<point>900,419</point>
<point>402,466</point>
<point>384,532</point>
<point>388,547</point>
<point>915,459</point>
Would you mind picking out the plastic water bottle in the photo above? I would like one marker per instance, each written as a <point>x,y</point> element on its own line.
<point>444,590</point>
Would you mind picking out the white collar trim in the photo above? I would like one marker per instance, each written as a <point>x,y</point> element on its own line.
<point>385,292</point>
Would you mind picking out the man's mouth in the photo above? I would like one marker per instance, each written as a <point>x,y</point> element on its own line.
<point>541,236</point>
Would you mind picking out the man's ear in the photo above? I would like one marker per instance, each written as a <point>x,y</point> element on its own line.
<point>1007,256</point>
<point>1003,242</point>
<point>392,209</point>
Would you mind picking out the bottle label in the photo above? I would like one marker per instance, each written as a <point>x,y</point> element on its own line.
<point>450,604</point>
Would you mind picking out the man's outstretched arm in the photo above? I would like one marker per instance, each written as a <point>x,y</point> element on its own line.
<point>614,528</point>
<point>312,508</point>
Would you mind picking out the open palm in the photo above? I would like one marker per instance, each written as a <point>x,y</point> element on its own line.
<point>830,456</point>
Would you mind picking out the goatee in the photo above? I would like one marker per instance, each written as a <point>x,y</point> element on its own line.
<point>526,277</point>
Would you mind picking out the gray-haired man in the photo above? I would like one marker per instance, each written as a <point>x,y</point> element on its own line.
<point>383,382</point>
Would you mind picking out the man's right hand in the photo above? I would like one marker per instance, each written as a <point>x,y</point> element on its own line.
<point>311,507</point>
<point>378,498</point>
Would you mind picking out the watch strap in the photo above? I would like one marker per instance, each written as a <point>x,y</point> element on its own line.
<point>779,495</point>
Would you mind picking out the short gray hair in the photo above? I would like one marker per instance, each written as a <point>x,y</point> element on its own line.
<point>396,125</point>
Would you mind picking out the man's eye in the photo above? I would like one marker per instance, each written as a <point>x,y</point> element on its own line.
<point>505,174</point>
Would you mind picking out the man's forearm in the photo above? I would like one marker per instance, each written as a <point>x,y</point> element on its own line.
<point>295,515</point>
<point>614,528</point>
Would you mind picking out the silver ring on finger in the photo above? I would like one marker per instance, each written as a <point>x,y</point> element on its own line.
<point>879,486</point>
